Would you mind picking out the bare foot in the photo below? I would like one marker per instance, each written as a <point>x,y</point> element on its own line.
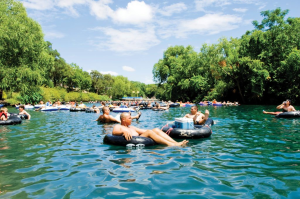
<point>183,143</point>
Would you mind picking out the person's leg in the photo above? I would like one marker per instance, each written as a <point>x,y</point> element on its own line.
<point>137,117</point>
<point>271,113</point>
<point>164,135</point>
<point>160,140</point>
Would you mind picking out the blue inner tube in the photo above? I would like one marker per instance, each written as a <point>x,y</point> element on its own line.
<point>121,141</point>
<point>217,104</point>
<point>292,114</point>
<point>11,120</point>
<point>200,131</point>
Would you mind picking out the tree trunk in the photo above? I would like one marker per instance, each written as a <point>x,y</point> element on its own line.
<point>1,94</point>
<point>240,91</point>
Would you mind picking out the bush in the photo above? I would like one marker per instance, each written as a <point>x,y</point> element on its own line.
<point>15,99</point>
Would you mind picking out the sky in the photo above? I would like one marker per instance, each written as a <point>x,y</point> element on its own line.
<point>127,38</point>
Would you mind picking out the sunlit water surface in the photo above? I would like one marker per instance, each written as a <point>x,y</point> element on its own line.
<point>62,155</point>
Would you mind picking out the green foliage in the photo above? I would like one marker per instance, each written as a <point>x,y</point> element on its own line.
<point>31,96</point>
<point>253,69</point>
<point>22,48</point>
<point>13,98</point>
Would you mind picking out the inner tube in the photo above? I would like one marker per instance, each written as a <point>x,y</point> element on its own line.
<point>218,104</point>
<point>208,122</point>
<point>197,133</point>
<point>190,105</point>
<point>22,116</point>
<point>174,105</point>
<point>90,110</point>
<point>292,114</point>
<point>147,107</point>
<point>121,141</point>
<point>76,109</point>
<point>11,121</point>
<point>158,109</point>
<point>200,131</point>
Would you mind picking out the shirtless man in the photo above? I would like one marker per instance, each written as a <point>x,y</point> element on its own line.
<point>157,106</point>
<point>198,117</point>
<point>285,106</point>
<point>106,118</point>
<point>157,135</point>
<point>23,112</point>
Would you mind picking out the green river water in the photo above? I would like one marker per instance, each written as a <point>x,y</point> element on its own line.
<point>62,155</point>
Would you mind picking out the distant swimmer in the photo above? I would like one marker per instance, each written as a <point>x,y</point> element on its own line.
<point>285,106</point>
<point>125,129</point>
<point>198,117</point>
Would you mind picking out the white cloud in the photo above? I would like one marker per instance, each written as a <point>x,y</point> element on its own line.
<point>38,4</point>
<point>124,40</point>
<point>54,34</point>
<point>69,3</point>
<point>100,9</point>
<point>136,12</point>
<point>109,72</point>
<point>128,68</point>
<point>89,71</point>
<point>240,9</point>
<point>174,8</point>
<point>202,4</point>
<point>208,24</point>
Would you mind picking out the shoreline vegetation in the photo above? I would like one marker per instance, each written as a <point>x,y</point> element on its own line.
<point>260,67</point>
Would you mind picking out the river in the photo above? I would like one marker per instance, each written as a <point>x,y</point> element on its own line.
<point>62,155</point>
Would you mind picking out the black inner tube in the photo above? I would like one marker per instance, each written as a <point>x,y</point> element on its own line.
<point>11,120</point>
<point>121,141</point>
<point>291,114</point>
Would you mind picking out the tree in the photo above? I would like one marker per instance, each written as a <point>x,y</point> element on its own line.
<point>97,81</point>
<point>23,56</point>
<point>79,78</point>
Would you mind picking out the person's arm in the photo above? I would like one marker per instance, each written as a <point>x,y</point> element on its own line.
<point>291,108</point>
<point>280,106</point>
<point>203,117</point>
<point>28,115</point>
<point>112,119</point>
<point>119,130</point>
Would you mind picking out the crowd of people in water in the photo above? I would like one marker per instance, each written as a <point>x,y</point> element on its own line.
<point>124,127</point>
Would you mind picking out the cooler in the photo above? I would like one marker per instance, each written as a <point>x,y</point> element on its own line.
<point>184,123</point>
